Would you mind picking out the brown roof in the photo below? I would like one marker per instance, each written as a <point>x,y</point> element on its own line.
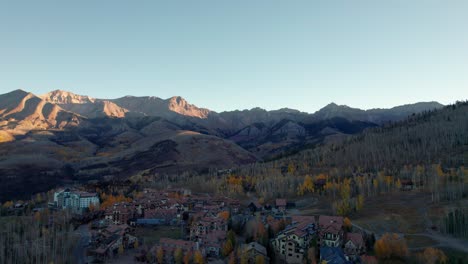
<point>301,222</point>
<point>280,202</point>
<point>356,238</point>
<point>330,224</point>
<point>255,246</point>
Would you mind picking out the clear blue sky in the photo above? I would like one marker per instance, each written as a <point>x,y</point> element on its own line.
<point>227,55</point>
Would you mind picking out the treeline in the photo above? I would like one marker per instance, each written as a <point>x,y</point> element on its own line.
<point>424,152</point>
<point>455,223</point>
<point>41,237</point>
<point>439,136</point>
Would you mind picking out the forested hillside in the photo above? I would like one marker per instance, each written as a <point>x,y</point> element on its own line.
<point>439,136</point>
<point>427,151</point>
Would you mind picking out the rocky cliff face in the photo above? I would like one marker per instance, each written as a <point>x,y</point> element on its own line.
<point>64,97</point>
<point>21,112</point>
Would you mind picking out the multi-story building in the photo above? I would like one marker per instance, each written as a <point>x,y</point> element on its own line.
<point>254,250</point>
<point>120,213</point>
<point>354,246</point>
<point>207,225</point>
<point>78,201</point>
<point>293,241</point>
<point>331,231</point>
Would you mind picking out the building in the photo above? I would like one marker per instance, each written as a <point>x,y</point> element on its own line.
<point>212,243</point>
<point>254,249</point>
<point>354,246</point>
<point>107,241</point>
<point>78,201</point>
<point>120,213</point>
<point>292,243</point>
<point>281,204</point>
<point>331,231</point>
<point>207,225</point>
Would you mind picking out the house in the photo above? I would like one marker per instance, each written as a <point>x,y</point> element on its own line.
<point>108,247</point>
<point>108,240</point>
<point>212,242</point>
<point>252,250</point>
<point>207,225</point>
<point>354,246</point>
<point>330,231</point>
<point>333,255</point>
<point>293,241</point>
<point>120,213</point>
<point>280,204</point>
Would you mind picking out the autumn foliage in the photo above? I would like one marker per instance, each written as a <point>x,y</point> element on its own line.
<point>110,200</point>
<point>198,258</point>
<point>224,215</point>
<point>391,246</point>
<point>432,256</point>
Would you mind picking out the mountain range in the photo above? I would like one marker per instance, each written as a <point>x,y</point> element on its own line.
<point>103,138</point>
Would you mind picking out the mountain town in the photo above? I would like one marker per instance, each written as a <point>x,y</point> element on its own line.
<point>295,208</point>
<point>233,132</point>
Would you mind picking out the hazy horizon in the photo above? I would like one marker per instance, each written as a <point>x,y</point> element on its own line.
<point>238,55</point>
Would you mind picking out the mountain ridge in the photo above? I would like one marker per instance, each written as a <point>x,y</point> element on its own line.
<point>118,138</point>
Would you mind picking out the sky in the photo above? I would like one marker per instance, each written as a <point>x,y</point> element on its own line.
<point>227,55</point>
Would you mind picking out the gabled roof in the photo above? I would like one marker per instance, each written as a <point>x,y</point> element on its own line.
<point>330,224</point>
<point>255,246</point>
<point>355,238</point>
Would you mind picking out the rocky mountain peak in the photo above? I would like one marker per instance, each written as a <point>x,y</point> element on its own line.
<point>181,106</point>
<point>65,97</point>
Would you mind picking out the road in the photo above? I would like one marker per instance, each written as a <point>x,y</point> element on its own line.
<point>445,241</point>
<point>79,252</point>
<point>441,240</point>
